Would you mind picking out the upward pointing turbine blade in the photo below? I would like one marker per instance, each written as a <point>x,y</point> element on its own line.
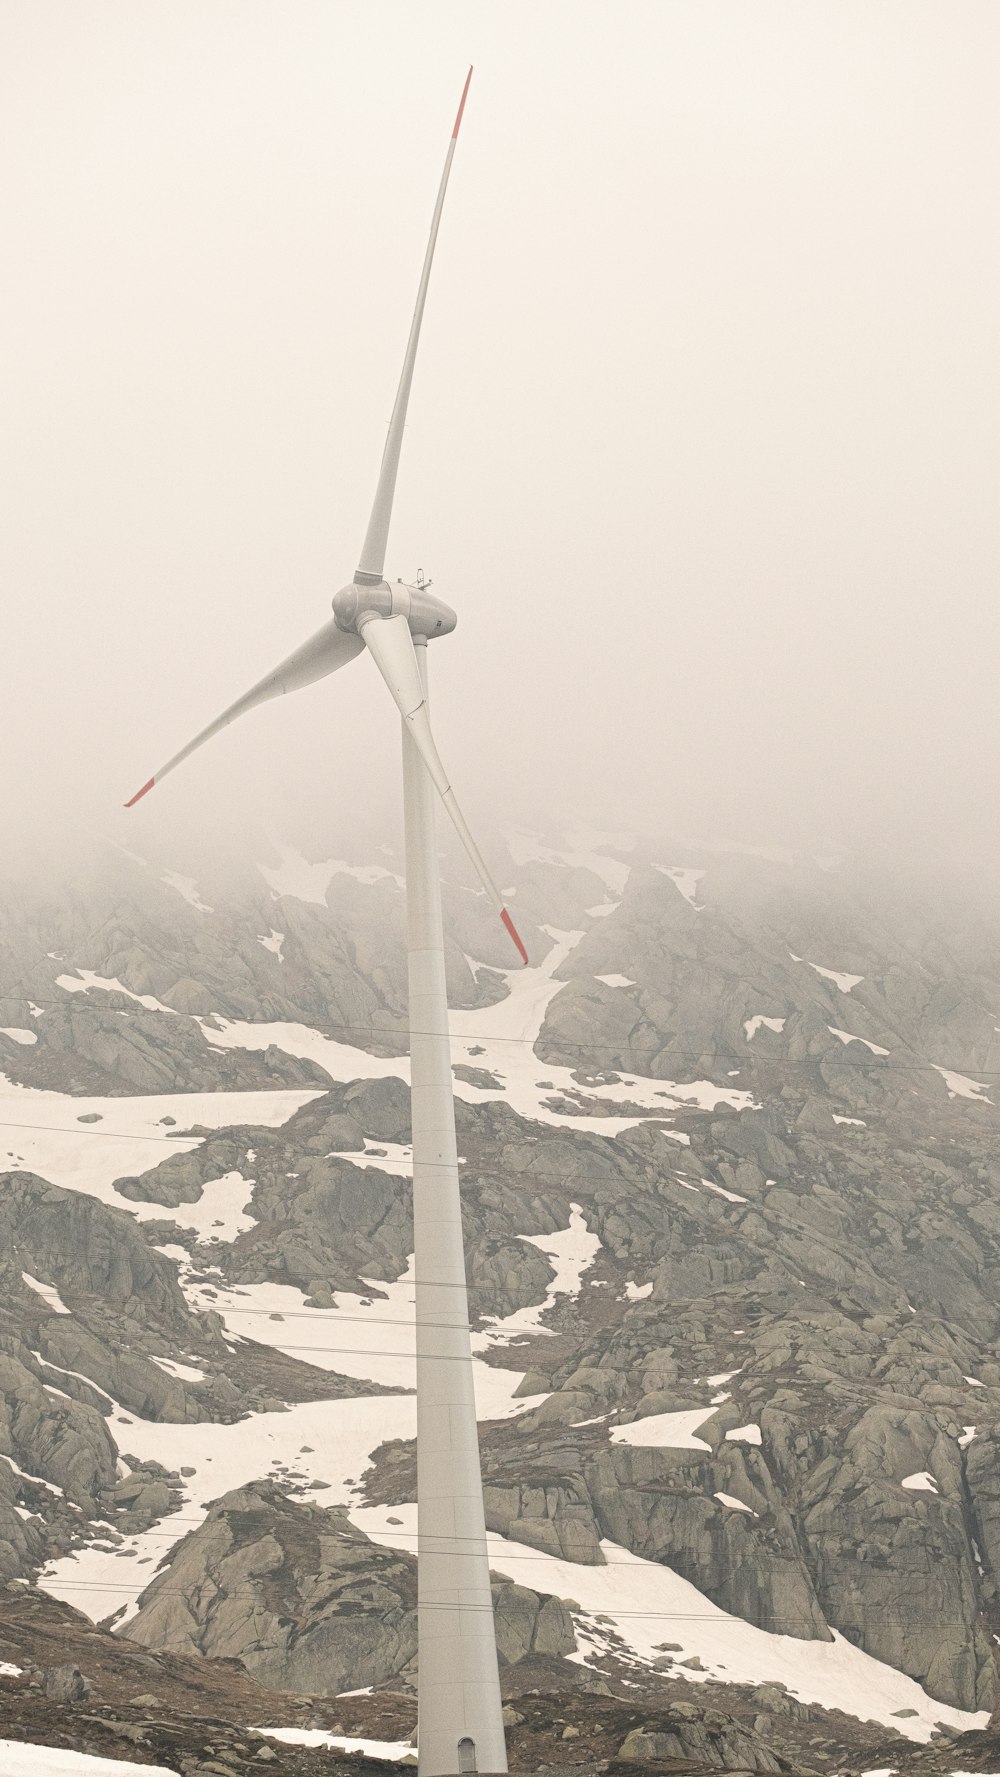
<point>369,569</point>
<point>390,645</point>
<point>330,648</point>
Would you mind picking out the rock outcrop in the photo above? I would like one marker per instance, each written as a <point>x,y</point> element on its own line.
<point>308,1602</point>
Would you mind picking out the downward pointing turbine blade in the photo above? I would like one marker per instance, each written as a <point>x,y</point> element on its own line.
<point>323,653</point>
<point>372,561</point>
<point>390,645</point>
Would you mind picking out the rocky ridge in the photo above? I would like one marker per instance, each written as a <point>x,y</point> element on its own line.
<point>829,1247</point>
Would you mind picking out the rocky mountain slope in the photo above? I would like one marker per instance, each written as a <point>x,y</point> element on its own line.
<point>732,1175</point>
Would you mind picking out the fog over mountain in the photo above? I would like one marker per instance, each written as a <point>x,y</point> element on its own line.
<point>703,440</point>
<point>703,445</point>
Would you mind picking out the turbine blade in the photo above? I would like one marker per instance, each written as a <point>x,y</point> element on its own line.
<point>330,648</point>
<point>369,570</point>
<point>390,645</point>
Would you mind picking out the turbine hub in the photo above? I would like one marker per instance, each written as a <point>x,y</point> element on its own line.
<point>426,615</point>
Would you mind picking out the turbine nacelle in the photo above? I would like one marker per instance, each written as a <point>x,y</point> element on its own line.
<point>426,616</point>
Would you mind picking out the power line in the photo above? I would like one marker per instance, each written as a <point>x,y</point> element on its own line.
<point>607,1047</point>
<point>721,1618</point>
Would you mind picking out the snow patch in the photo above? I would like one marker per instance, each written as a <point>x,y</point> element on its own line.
<point>186,887</point>
<point>735,1505</point>
<point>615,980</point>
<point>387,1749</point>
<point>744,1434</point>
<point>753,1025</point>
<point>572,1250</point>
<point>296,878</point>
<point>844,982</point>
<point>857,1122</point>
<point>527,848</point>
<point>273,943</point>
<point>961,1087</point>
<point>18,1036</point>
<point>85,979</point>
<point>685,881</point>
<point>183,1372</point>
<point>48,1293</point>
<point>922,1482</point>
<point>637,1292</point>
<point>666,1431</point>
<point>847,1036</point>
<point>720,1191</point>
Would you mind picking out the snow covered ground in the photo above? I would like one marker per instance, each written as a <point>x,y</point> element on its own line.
<point>52,1133</point>
<point>499,1039</point>
<point>572,1250</point>
<point>21,1758</point>
<point>645,1604</point>
<point>297,878</point>
<point>671,1431</point>
<point>324,1447</point>
<point>394,1749</point>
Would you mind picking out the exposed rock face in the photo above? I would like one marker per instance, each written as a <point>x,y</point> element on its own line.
<point>705,1739</point>
<point>59,1439</point>
<point>815,1271</point>
<point>308,1602</point>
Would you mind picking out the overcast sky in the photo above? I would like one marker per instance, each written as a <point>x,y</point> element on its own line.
<point>704,442</point>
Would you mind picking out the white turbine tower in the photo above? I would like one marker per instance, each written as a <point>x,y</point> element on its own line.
<point>460,1723</point>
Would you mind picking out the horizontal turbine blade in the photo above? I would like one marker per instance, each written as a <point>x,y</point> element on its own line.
<point>372,561</point>
<point>330,648</point>
<point>390,645</point>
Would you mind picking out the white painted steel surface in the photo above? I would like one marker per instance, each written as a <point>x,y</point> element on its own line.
<point>459,1687</point>
<point>391,646</point>
<point>322,654</point>
<point>373,553</point>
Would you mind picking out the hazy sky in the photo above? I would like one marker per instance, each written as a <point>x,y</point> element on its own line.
<point>704,442</point>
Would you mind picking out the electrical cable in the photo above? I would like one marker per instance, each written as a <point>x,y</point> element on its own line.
<point>372,1030</point>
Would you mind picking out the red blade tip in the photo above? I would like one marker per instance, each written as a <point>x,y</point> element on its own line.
<point>512,929</point>
<point>461,108</point>
<point>140,793</point>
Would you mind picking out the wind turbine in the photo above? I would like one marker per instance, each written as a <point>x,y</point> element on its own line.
<point>460,1721</point>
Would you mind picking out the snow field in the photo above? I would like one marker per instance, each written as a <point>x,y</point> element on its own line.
<point>22,1758</point>
<point>500,1039</point>
<point>324,1447</point>
<point>43,1127</point>
<point>647,1604</point>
